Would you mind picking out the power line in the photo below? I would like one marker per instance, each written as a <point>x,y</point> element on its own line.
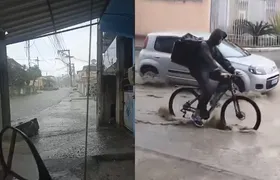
<point>80,59</point>
<point>38,51</point>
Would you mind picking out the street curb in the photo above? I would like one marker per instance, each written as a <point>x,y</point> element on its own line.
<point>264,49</point>
<point>115,157</point>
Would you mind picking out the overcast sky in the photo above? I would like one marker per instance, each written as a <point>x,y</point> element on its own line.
<point>46,50</point>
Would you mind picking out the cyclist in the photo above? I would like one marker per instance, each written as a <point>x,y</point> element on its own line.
<point>205,68</point>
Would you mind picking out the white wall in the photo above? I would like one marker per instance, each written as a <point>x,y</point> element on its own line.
<point>256,10</point>
<point>225,12</point>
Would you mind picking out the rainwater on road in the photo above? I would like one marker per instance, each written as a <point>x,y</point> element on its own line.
<point>255,155</point>
<point>27,106</point>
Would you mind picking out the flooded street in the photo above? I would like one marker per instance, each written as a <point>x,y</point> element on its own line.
<point>253,155</point>
<point>61,141</point>
<point>27,106</point>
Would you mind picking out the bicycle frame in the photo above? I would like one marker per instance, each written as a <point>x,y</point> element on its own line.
<point>218,97</point>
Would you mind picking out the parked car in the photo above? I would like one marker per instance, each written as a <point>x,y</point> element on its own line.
<point>257,72</point>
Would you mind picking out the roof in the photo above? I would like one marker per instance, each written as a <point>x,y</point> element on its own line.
<point>85,68</point>
<point>204,35</point>
<point>119,18</point>
<point>24,20</point>
<point>14,63</point>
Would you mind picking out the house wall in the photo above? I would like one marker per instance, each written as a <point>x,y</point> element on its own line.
<point>160,15</point>
<point>82,80</point>
<point>225,12</point>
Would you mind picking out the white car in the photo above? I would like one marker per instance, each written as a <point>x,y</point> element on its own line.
<point>257,72</point>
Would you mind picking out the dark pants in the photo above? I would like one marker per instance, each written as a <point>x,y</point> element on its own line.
<point>207,89</point>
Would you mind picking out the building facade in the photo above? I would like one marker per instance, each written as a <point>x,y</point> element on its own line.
<point>167,15</point>
<point>82,78</point>
<point>225,12</point>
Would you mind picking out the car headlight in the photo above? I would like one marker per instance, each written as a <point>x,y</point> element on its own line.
<point>257,70</point>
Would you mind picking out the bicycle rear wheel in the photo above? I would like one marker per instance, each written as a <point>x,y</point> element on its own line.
<point>241,115</point>
<point>190,95</point>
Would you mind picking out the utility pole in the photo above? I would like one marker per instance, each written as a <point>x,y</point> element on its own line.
<point>28,53</point>
<point>70,70</point>
<point>69,64</point>
<point>37,61</point>
<point>73,71</point>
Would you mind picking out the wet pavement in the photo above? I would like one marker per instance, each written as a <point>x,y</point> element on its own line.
<point>273,55</point>
<point>26,106</point>
<point>61,142</point>
<point>252,155</point>
<point>170,168</point>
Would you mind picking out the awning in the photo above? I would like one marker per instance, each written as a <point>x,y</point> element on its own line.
<point>118,18</point>
<point>28,19</point>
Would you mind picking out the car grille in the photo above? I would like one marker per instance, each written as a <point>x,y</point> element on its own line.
<point>269,81</point>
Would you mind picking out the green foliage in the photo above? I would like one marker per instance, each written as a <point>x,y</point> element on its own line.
<point>275,21</point>
<point>33,73</point>
<point>17,74</point>
<point>255,29</point>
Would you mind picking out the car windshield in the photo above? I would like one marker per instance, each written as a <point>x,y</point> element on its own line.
<point>229,49</point>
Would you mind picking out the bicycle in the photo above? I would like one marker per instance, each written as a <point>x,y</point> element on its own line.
<point>217,97</point>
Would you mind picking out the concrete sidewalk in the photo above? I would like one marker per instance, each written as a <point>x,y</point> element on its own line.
<point>153,165</point>
<point>252,155</point>
<point>61,143</point>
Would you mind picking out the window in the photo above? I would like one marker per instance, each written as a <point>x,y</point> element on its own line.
<point>165,43</point>
<point>243,4</point>
<point>271,4</point>
<point>229,50</point>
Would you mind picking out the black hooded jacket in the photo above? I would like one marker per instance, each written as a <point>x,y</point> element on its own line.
<point>210,53</point>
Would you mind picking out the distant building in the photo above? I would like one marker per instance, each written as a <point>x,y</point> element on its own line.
<point>82,78</point>
<point>46,82</point>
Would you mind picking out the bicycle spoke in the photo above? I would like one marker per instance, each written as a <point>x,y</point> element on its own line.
<point>241,114</point>
<point>183,102</point>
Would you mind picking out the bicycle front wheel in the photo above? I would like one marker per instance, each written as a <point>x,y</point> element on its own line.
<point>235,111</point>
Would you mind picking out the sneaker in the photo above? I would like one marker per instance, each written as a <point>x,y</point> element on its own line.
<point>197,120</point>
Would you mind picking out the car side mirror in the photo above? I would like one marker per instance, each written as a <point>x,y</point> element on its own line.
<point>19,157</point>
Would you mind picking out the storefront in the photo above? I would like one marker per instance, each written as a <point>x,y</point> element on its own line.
<point>118,20</point>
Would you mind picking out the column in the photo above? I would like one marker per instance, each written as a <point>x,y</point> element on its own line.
<point>5,118</point>
<point>120,76</point>
<point>100,91</point>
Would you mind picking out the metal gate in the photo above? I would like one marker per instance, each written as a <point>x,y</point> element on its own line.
<point>236,16</point>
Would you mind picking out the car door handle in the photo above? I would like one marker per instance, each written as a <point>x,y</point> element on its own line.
<point>156,57</point>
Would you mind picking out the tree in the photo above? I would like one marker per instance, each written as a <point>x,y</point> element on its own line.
<point>33,73</point>
<point>275,21</point>
<point>49,82</point>
<point>17,74</point>
<point>256,29</point>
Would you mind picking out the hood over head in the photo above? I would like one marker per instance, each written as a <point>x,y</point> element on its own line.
<point>216,36</point>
